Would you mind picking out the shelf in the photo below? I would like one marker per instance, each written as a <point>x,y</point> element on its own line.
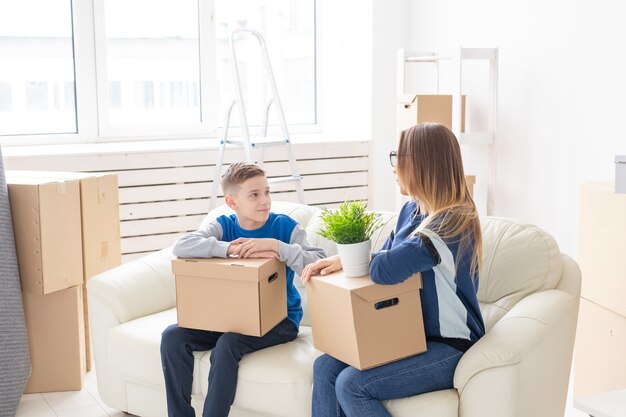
<point>465,53</point>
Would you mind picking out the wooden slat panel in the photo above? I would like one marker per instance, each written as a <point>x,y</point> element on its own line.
<point>162,225</point>
<point>315,182</point>
<point>333,172</point>
<point>207,173</point>
<point>203,189</point>
<point>147,243</point>
<point>139,159</point>
<point>200,206</point>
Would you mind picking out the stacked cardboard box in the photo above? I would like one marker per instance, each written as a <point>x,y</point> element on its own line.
<point>424,108</point>
<point>54,219</point>
<point>365,324</point>
<point>601,335</point>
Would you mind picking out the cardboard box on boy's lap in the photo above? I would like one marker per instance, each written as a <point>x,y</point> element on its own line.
<point>247,296</point>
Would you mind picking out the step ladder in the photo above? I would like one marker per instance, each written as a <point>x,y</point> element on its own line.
<point>252,144</point>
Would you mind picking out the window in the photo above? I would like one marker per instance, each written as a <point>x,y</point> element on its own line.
<point>150,49</point>
<point>37,55</point>
<point>99,70</point>
<point>288,27</point>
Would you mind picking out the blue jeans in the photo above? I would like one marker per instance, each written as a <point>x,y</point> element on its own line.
<point>177,347</point>
<point>340,390</point>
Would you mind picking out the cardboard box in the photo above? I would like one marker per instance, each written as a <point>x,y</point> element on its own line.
<point>247,296</point>
<point>56,340</point>
<point>601,246</point>
<point>599,359</point>
<point>365,324</point>
<point>429,108</point>
<point>100,216</point>
<point>47,227</point>
<point>100,225</point>
<point>471,181</point>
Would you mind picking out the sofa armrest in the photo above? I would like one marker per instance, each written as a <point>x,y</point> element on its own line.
<point>516,335</point>
<point>137,288</point>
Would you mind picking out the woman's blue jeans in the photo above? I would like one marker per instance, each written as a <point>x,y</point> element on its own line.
<point>340,390</point>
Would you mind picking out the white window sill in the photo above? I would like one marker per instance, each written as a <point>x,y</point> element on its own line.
<point>145,145</point>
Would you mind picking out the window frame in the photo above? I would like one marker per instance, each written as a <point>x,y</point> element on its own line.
<point>91,87</point>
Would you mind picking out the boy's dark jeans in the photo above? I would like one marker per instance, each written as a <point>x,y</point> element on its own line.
<point>177,347</point>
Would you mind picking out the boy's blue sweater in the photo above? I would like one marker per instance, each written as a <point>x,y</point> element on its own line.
<point>279,227</point>
<point>449,302</point>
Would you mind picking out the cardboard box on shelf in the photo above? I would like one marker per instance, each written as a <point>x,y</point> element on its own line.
<point>56,340</point>
<point>365,324</point>
<point>471,181</point>
<point>247,296</point>
<point>47,227</point>
<point>599,350</point>
<point>423,108</point>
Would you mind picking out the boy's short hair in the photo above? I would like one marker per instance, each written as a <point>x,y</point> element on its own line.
<point>237,173</point>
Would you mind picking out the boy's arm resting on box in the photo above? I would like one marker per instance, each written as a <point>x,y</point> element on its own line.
<point>203,243</point>
<point>298,252</point>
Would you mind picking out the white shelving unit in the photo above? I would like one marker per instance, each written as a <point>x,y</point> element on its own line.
<point>457,57</point>
<point>454,63</point>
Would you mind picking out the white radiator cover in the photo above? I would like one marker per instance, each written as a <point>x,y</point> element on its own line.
<point>165,188</point>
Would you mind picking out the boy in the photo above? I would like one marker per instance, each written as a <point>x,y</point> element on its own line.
<point>252,232</point>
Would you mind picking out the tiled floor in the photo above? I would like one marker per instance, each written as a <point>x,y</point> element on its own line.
<point>87,403</point>
<point>84,403</point>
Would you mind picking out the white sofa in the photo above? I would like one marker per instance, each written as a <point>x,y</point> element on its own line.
<point>529,294</point>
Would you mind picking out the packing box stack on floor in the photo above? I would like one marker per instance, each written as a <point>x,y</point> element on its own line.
<point>66,229</point>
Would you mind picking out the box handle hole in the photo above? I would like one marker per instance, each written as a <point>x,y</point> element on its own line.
<point>272,277</point>
<point>386,303</point>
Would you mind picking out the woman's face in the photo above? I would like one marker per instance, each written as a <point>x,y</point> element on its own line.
<point>402,188</point>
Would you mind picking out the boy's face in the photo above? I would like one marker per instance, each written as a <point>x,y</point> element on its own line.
<point>251,202</point>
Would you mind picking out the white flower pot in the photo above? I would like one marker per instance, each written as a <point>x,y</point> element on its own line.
<point>355,258</point>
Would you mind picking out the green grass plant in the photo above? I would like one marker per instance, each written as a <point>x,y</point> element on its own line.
<point>350,223</point>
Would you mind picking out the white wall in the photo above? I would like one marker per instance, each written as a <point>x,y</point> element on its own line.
<point>389,30</point>
<point>562,86</point>
<point>345,70</point>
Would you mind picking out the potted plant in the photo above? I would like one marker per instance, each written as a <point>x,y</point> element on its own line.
<point>351,228</point>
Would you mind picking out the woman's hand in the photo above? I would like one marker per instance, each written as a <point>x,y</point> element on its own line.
<point>321,266</point>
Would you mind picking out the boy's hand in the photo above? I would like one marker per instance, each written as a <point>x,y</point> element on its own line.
<point>231,248</point>
<point>246,247</point>
<point>321,266</point>
<point>267,255</point>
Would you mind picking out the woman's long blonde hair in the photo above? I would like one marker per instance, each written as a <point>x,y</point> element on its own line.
<point>430,170</point>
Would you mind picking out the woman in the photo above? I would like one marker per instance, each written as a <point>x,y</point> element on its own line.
<point>437,234</point>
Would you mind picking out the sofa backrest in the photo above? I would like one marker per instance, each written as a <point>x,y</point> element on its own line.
<point>518,259</point>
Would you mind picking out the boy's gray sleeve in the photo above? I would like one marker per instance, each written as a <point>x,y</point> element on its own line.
<point>298,252</point>
<point>203,243</point>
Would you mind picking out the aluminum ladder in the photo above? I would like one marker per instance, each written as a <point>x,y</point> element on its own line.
<point>248,143</point>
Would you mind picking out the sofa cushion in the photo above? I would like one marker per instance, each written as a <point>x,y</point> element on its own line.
<point>275,380</point>
<point>444,403</point>
<point>518,259</point>
<point>133,349</point>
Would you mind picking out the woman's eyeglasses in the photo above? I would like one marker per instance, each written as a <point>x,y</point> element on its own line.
<point>393,158</point>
